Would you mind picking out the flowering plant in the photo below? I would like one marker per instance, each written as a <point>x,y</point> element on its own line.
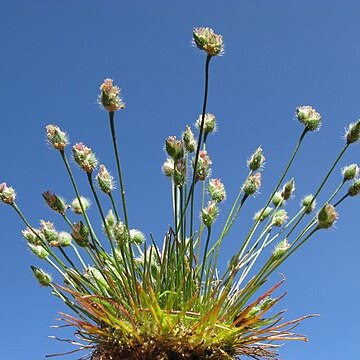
<point>133,298</point>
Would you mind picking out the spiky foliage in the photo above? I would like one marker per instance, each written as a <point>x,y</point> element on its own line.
<point>166,300</point>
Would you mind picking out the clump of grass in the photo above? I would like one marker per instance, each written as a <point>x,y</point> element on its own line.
<point>133,298</point>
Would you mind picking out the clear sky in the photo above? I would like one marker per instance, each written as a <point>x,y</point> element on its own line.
<point>279,54</point>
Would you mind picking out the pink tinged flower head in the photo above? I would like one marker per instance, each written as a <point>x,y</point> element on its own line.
<point>206,39</point>
<point>216,190</point>
<point>84,157</point>
<point>202,170</point>
<point>209,213</point>
<point>109,97</point>
<point>57,139</point>
<point>252,184</point>
<point>7,194</point>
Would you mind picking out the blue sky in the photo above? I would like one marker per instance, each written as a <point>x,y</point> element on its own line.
<point>279,54</point>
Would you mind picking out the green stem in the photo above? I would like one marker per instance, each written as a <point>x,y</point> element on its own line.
<point>201,132</point>
<point>122,190</point>
<point>114,206</point>
<point>204,257</point>
<point>93,236</point>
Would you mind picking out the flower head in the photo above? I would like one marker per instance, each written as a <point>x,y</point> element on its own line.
<point>179,172</point>
<point>350,172</point>
<point>354,188</point>
<point>168,167</point>
<point>210,213</point>
<point>55,202</point>
<point>105,180</point>
<point>256,160</point>
<point>7,194</point>
<point>281,249</point>
<point>327,216</point>
<point>189,139</point>
<point>84,157</point>
<point>57,138</point>
<point>262,214</point>
<point>205,39</point>
<point>216,190</point>
<point>308,203</point>
<point>76,207</point>
<point>279,218</point>
<point>203,165</point>
<point>209,123</point>
<point>252,184</point>
<point>109,97</point>
<point>42,277</point>
<point>174,147</point>
<point>80,233</point>
<point>352,133</point>
<point>309,117</point>
<point>137,237</point>
<point>288,189</point>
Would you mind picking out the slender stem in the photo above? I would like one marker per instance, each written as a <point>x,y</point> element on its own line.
<point>205,253</point>
<point>118,164</point>
<point>16,208</point>
<point>122,190</point>
<point>114,206</point>
<point>93,236</point>
<point>321,186</point>
<point>78,255</point>
<point>201,132</point>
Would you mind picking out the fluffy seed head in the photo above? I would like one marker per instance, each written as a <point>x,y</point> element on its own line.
<point>205,39</point>
<point>168,167</point>
<point>7,194</point>
<point>326,216</point>
<point>352,133</point>
<point>47,228</point>
<point>76,207</point>
<point>279,218</point>
<point>84,157</point>
<point>109,97</point>
<point>57,138</point>
<point>137,237</point>
<point>64,238</point>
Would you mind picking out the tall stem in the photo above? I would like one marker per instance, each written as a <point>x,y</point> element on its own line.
<point>201,132</point>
